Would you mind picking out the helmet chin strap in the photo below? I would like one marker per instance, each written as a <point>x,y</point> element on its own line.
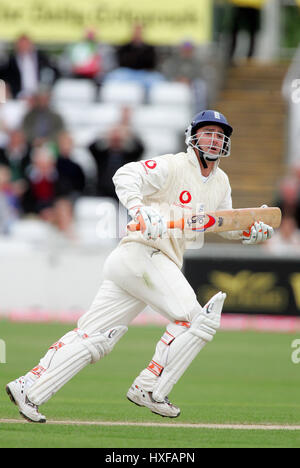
<point>204,159</point>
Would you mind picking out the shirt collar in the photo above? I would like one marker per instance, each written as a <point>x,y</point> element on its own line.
<point>192,157</point>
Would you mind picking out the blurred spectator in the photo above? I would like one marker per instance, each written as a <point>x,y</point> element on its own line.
<point>63,218</point>
<point>137,61</point>
<point>16,154</point>
<point>41,177</point>
<point>27,68</point>
<point>71,180</point>
<point>53,186</point>
<point>41,122</point>
<point>185,65</point>
<point>288,198</point>
<point>245,17</point>
<point>9,201</point>
<point>69,187</point>
<point>88,58</point>
<point>120,146</point>
<point>286,239</point>
<point>296,166</point>
<point>137,54</point>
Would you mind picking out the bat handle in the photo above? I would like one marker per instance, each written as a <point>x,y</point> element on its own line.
<point>134,227</point>
<point>179,224</point>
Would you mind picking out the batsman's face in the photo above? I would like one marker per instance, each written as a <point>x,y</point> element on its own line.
<point>211,139</point>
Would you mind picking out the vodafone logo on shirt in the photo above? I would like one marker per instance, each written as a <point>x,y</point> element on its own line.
<point>185,197</point>
<point>151,164</point>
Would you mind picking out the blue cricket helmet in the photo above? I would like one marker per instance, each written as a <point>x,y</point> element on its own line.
<point>207,117</point>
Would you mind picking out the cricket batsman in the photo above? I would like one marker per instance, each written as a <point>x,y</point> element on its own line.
<point>145,269</point>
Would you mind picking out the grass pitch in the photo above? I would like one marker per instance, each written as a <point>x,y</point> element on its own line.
<point>239,378</point>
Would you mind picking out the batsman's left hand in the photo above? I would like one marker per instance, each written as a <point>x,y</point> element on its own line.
<point>257,233</point>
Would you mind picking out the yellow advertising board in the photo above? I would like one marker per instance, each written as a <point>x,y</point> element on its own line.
<point>249,3</point>
<point>165,21</point>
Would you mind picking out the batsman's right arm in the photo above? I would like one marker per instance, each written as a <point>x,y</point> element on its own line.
<point>135,180</point>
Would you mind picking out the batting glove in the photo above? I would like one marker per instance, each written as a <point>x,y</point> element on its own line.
<point>153,224</point>
<point>257,233</point>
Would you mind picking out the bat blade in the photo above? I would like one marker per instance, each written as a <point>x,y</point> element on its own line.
<point>233,220</point>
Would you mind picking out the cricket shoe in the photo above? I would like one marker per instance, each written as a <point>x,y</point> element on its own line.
<point>17,393</point>
<point>143,398</point>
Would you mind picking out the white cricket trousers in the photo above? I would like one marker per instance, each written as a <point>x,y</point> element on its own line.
<point>135,276</point>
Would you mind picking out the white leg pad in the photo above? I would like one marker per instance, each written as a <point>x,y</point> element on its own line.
<point>183,350</point>
<point>148,377</point>
<point>67,357</point>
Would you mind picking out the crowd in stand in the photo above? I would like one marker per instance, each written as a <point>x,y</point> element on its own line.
<point>38,174</point>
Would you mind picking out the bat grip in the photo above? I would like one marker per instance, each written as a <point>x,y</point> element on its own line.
<point>134,227</point>
<point>179,224</point>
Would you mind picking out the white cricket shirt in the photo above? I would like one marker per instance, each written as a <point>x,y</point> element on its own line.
<point>174,185</point>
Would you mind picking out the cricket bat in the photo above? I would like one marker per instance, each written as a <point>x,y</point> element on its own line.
<point>225,220</point>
